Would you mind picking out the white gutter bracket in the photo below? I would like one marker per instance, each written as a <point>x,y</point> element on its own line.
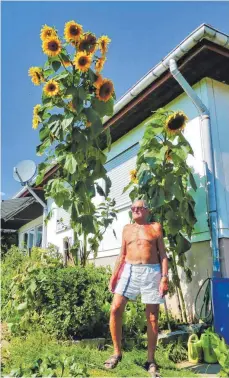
<point>209,164</point>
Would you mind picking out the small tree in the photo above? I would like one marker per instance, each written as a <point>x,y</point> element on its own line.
<point>163,178</point>
<point>75,97</point>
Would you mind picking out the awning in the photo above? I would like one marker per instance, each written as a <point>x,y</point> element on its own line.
<point>16,212</point>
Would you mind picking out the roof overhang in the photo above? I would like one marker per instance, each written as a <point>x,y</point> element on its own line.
<point>204,53</point>
<point>16,212</point>
<point>204,60</point>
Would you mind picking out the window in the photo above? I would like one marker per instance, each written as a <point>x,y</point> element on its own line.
<point>118,170</point>
<point>32,237</point>
<point>39,236</point>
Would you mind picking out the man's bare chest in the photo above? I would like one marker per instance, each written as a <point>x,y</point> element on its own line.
<point>141,235</point>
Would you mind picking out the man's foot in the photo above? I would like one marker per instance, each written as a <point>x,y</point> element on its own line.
<point>152,369</point>
<point>112,362</point>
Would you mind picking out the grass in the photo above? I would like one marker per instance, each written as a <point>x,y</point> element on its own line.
<point>25,351</point>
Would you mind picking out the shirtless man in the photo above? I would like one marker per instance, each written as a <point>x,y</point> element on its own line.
<point>141,268</point>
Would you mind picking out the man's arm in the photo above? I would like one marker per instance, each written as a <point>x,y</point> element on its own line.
<point>163,261</point>
<point>121,256</point>
<point>120,260</point>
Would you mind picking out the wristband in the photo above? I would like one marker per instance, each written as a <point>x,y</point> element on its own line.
<point>164,275</point>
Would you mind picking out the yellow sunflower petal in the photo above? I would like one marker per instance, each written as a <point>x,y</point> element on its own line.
<point>103,43</point>
<point>87,43</point>
<point>105,90</point>
<point>36,75</point>
<point>36,109</point>
<point>35,122</point>
<point>100,63</point>
<point>47,31</point>
<point>72,31</point>
<point>52,46</point>
<point>51,88</point>
<point>98,81</point>
<point>82,61</point>
<point>175,123</point>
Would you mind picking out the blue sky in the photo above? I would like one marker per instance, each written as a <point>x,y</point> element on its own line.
<point>142,34</point>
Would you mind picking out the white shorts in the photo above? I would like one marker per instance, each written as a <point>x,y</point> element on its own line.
<point>141,279</point>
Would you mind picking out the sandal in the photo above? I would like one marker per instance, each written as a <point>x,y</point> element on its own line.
<point>152,369</point>
<point>112,362</point>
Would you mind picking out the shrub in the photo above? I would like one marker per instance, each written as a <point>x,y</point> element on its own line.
<point>67,302</point>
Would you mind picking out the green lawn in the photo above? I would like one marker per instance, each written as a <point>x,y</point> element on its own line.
<point>26,351</point>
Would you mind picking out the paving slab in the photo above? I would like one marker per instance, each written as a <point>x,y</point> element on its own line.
<point>203,369</point>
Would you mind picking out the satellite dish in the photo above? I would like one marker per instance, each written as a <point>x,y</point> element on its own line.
<point>24,171</point>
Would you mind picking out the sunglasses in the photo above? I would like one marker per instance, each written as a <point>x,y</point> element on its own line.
<point>135,209</point>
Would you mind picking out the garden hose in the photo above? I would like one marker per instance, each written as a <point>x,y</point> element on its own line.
<point>205,314</point>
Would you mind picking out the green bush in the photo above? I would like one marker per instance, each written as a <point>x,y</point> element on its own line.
<point>12,261</point>
<point>68,302</point>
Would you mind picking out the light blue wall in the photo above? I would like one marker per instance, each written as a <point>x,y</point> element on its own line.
<point>215,96</point>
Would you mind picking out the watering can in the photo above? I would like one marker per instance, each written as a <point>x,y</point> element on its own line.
<point>194,349</point>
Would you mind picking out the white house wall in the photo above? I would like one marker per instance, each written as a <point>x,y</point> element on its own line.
<point>53,236</point>
<point>111,246</point>
<point>218,100</point>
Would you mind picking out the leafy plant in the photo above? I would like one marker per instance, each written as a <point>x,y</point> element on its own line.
<point>163,178</point>
<point>75,98</point>
<point>221,350</point>
<point>67,302</point>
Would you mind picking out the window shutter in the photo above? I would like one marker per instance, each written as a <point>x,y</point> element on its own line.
<point>118,170</point>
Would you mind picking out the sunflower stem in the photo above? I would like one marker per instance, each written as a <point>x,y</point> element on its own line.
<point>63,63</point>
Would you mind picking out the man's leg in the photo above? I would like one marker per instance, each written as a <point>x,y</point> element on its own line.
<point>152,311</point>
<point>117,309</point>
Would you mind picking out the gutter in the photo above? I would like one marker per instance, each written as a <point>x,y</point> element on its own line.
<point>202,32</point>
<point>209,164</point>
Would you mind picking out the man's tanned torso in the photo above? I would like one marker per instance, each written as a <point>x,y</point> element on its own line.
<point>141,243</point>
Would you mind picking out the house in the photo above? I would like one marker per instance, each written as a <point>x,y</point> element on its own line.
<point>203,59</point>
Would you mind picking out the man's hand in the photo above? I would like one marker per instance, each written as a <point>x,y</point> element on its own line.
<point>112,284</point>
<point>164,287</point>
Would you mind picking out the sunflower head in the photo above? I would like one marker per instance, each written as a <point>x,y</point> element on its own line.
<point>51,88</point>
<point>36,75</point>
<point>52,46</point>
<point>175,123</point>
<point>87,43</point>
<point>36,109</point>
<point>100,63</point>
<point>105,90</point>
<point>82,61</point>
<point>72,31</point>
<point>103,43</point>
<point>98,81</point>
<point>35,122</point>
<point>47,32</point>
<point>133,176</point>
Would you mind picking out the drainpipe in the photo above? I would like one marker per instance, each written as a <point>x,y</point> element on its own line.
<point>209,164</point>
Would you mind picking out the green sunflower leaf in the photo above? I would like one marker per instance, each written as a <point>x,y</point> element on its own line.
<point>103,108</point>
<point>56,65</point>
<point>68,118</point>
<point>70,164</point>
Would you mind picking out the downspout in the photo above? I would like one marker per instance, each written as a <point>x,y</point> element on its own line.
<point>209,164</point>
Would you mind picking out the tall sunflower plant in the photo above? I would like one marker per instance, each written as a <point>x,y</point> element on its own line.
<point>163,178</point>
<point>75,98</point>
